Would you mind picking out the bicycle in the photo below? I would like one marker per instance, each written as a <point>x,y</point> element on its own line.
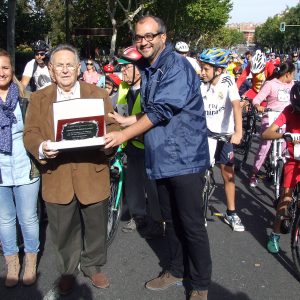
<point>115,202</point>
<point>250,118</point>
<point>275,160</point>
<point>209,180</point>
<point>294,215</point>
<point>294,210</point>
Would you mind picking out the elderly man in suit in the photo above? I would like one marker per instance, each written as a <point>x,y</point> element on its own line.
<point>75,184</point>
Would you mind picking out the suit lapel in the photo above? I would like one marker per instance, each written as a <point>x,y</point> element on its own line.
<point>50,98</point>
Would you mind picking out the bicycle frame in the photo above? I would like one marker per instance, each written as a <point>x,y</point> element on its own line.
<point>118,165</point>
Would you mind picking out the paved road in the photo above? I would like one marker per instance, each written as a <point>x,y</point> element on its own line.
<point>242,268</point>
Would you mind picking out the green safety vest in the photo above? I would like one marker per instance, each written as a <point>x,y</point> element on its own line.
<point>122,106</point>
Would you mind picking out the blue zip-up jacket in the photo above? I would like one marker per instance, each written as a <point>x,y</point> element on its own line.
<point>177,144</point>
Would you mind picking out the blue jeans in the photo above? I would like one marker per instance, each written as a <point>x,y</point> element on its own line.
<point>19,201</point>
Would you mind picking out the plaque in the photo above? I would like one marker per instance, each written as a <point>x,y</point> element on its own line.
<point>78,123</point>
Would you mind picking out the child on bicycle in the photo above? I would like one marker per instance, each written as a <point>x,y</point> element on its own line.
<point>223,115</point>
<point>276,94</point>
<point>290,117</point>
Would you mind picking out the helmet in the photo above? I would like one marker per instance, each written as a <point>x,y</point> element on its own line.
<point>109,68</point>
<point>182,47</point>
<point>295,96</point>
<point>217,57</point>
<point>40,46</point>
<point>114,79</point>
<point>258,62</point>
<point>129,55</point>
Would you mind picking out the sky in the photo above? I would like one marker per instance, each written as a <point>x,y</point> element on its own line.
<point>258,10</point>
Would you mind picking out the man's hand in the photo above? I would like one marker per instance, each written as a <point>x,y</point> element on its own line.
<point>236,138</point>
<point>124,121</point>
<point>114,139</point>
<point>48,153</point>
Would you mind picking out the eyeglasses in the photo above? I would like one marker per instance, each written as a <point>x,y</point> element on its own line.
<point>59,68</point>
<point>148,37</point>
<point>126,67</point>
<point>89,64</point>
<point>40,53</point>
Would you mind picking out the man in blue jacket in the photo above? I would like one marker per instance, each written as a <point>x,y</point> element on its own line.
<point>176,154</point>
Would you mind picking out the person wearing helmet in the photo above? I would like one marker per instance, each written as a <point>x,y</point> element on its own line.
<point>276,94</point>
<point>128,104</point>
<point>290,117</point>
<point>260,70</point>
<point>234,61</point>
<point>182,48</point>
<point>36,71</point>
<point>112,82</point>
<point>223,116</point>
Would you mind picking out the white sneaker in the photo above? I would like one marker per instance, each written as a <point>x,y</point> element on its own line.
<point>235,222</point>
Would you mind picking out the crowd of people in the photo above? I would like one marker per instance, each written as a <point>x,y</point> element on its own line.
<point>159,100</point>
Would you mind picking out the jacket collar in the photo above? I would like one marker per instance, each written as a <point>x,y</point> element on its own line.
<point>162,57</point>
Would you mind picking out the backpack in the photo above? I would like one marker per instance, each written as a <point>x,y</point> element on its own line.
<point>32,81</point>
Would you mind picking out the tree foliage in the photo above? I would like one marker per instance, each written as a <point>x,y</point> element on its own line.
<point>269,36</point>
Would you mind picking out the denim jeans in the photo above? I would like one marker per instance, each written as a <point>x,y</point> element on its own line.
<point>19,201</point>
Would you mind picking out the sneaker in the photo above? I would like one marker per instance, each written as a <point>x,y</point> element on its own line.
<point>129,226</point>
<point>234,221</point>
<point>163,281</point>
<point>253,182</point>
<point>198,295</point>
<point>273,243</point>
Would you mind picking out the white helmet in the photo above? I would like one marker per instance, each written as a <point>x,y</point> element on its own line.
<point>182,47</point>
<point>258,62</point>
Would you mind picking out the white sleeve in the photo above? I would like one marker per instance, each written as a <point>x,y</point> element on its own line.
<point>29,69</point>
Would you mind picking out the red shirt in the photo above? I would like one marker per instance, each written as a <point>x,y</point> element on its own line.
<point>291,118</point>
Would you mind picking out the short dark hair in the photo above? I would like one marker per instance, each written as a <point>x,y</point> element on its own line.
<point>161,24</point>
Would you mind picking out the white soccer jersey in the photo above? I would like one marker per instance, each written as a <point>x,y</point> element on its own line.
<point>217,103</point>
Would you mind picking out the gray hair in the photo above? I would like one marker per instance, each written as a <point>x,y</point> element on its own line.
<point>67,47</point>
<point>161,24</point>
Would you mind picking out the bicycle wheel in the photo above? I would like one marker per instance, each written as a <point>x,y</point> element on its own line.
<point>248,137</point>
<point>115,205</point>
<point>295,247</point>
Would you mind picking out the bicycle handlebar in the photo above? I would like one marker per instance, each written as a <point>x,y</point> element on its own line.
<point>291,137</point>
<point>219,137</point>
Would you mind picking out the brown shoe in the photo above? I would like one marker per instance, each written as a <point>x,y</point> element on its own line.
<point>198,295</point>
<point>66,284</point>
<point>99,280</point>
<point>13,270</point>
<point>163,281</point>
<point>29,276</point>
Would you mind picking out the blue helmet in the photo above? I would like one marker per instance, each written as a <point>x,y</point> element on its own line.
<point>217,57</point>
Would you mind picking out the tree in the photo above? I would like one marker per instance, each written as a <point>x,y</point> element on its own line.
<point>11,29</point>
<point>269,36</point>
